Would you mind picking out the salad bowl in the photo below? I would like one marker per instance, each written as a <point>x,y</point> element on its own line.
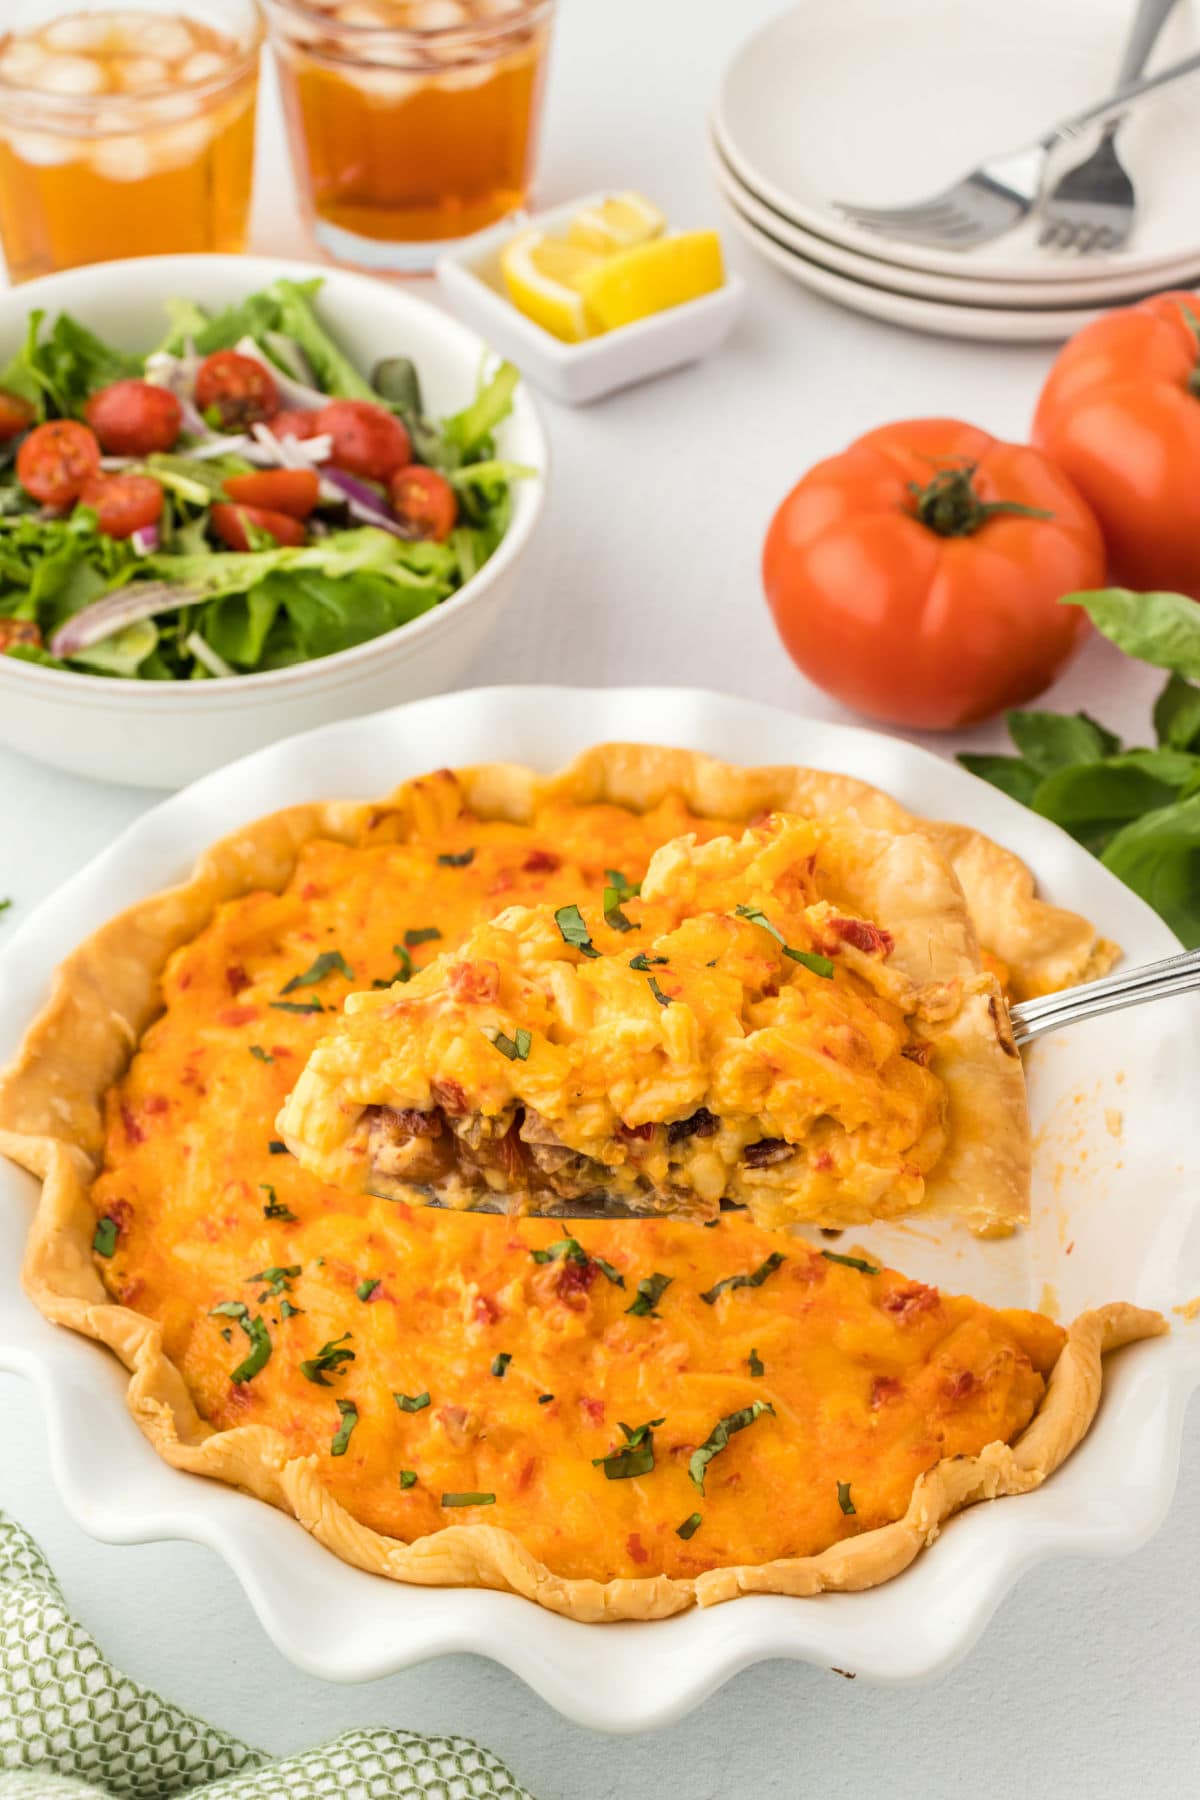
<point>1112,1216</point>
<point>163,733</point>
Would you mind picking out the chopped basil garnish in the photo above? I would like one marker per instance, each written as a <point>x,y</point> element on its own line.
<point>618,891</point>
<point>278,1280</point>
<point>515,1048</point>
<point>365,1289</point>
<point>567,1248</point>
<point>277,1147</point>
<point>297,1006</point>
<point>424,934</point>
<point>608,1272</point>
<point>227,1334</point>
<point>718,1438</point>
<point>408,1478</point>
<point>650,1290</point>
<point>288,1311</point>
<point>757,1366</point>
<point>623,888</point>
<point>820,965</point>
<point>256,1330</point>
<point>690,1526</point>
<point>663,999</point>
<point>456,859</point>
<point>468,1499</point>
<point>570,923</point>
<point>104,1238</point>
<point>850,1262</point>
<point>634,1457</point>
<point>545,1399</point>
<point>275,1208</point>
<point>739,1281</point>
<point>641,962</point>
<point>404,969</point>
<point>500,1363</point>
<point>327,1361</point>
<point>341,1439</point>
<point>412,1402</point>
<point>844,1501</point>
<point>329,962</point>
<point>261,1055</point>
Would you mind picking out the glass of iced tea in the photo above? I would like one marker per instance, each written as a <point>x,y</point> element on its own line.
<point>124,131</point>
<point>413,123</point>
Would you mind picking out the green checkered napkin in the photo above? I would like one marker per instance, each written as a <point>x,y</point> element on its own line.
<point>74,1728</point>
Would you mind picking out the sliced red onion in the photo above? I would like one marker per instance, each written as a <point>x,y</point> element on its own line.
<point>145,539</point>
<point>104,617</point>
<point>288,452</point>
<point>297,396</point>
<point>363,502</point>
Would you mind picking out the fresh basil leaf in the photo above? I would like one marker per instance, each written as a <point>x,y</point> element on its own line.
<point>663,999</point>
<point>567,1248</point>
<point>500,1364</point>
<point>609,1273</point>
<point>1177,715</point>
<point>277,1280</point>
<point>516,1048</point>
<point>365,1289</point>
<point>1163,629</point>
<point>296,1006</point>
<point>412,1403</point>
<point>468,1499</point>
<point>104,1238</point>
<point>623,888</point>
<point>634,1457</point>
<point>844,1501</point>
<point>613,916</point>
<point>718,1438</point>
<point>573,931</point>
<point>328,963</point>
<point>408,1478</point>
<point>424,934</point>
<point>1010,774</point>
<point>1092,800</point>
<point>690,1526</point>
<point>404,968</point>
<point>328,1361</point>
<point>341,1440</point>
<point>289,1311</point>
<point>256,1330</point>
<point>850,1262</point>
<point>650,1290</point>
<point>760,1274</point>
<point>819,965</point>
<point>275,1208</point>
<point>1050,741</point>
<point>641,962</point>
<point>1158,856</point>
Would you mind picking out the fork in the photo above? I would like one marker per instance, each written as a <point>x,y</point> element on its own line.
<point>997,195</point>
<point>1091,206</point>
<point>1178,974</point>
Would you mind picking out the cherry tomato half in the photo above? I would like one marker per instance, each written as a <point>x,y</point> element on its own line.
<point>16,416</point>
<point>291,491</point>
<point>241,391</point>
<point>367,440</point>
<point>56,459</point>
<point>295,424</point>
<point>916,577</point>
<point>229,523</point>
<point>124,503</point>
<point>425,500</point>
<point>134,418</point>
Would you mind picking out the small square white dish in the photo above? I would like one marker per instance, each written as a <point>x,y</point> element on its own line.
<point>470,279</point>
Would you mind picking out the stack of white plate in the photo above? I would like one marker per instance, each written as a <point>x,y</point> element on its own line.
<point>880,103</point>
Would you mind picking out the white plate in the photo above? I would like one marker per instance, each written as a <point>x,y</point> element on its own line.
<point>989,324</point>
<point>1098,290</point>
<point>880,103</point>
<point>472,281</point>
<point>1114,1217</point>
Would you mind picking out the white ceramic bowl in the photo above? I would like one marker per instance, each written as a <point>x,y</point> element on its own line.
<point>162,734</point>
<point>472,281</point>
<point>1117,1222</point>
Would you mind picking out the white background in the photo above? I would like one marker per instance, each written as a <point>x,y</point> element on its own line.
<point>646,570</point>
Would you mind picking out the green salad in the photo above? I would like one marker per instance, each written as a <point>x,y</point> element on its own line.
<point>240,498</point>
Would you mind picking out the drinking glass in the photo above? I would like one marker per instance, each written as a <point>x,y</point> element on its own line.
<point>413,123</point>
<point>124,130</point>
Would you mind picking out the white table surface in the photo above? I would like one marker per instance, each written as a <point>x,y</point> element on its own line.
<point>647,570</point>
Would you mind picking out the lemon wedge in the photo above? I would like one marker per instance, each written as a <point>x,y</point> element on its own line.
<point>632,284</point>
<point>542,276</point>
<point>618,223</point>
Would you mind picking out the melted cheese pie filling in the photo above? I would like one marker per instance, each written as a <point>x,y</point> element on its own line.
<point>763,1020</point>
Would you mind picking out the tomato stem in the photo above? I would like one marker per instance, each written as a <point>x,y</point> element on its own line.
<point>950,506</point>
<point>1193,325</point>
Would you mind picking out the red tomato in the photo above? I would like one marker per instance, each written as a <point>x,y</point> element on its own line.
<point>124,503</point>
<point>291,491</point>
<point>916,576</point>
<point>425,500</point>
<point>242,391</point>
<point>229,523</point>
<point>367,440</point>
<point>134,418</point>
<point>295,424</point>
<point>56,459</point>
<point>16,415</point>
<point>1120,413</point>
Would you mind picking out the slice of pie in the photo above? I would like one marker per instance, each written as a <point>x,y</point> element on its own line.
<point>795,1021</point>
